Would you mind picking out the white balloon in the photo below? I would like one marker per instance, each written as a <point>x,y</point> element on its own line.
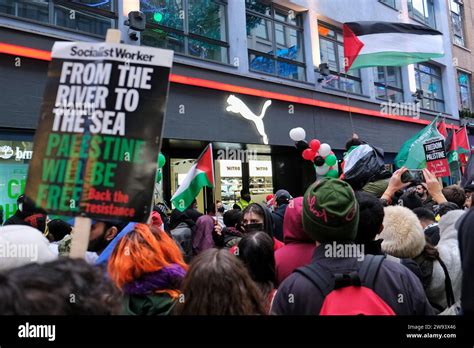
<point>297,134</point>
<point>324,150</point>
<point>322,170</point>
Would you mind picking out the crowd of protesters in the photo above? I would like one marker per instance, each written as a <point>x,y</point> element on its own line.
<point>390,246</point>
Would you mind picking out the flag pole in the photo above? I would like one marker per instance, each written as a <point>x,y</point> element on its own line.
<point>348,104</point>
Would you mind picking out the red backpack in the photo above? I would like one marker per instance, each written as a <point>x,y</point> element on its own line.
<point>349,293</point>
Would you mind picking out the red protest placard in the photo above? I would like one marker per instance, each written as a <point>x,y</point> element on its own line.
<point>436,160</point>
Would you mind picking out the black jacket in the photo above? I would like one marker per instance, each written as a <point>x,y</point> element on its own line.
<point>465,226</point>
<point>278,215</point>
<point>395,284</point>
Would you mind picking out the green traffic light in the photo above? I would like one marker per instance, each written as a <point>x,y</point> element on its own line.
<point>158,17</point>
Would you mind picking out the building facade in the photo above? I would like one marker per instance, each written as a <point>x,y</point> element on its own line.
<point>461,20</point>
<point>235,61</point>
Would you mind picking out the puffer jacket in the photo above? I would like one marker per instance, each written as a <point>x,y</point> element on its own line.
<point>448,249</point>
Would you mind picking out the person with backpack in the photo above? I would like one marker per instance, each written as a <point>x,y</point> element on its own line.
<point>365,284</point>
<point>182,228</point>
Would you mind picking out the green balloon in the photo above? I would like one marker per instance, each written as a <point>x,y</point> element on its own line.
<point>331,160</point>
<point>332,174</point>
<point>159,176</point>
<point>161,160</point>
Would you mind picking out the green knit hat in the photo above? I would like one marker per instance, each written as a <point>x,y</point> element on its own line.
<point>330,211</point>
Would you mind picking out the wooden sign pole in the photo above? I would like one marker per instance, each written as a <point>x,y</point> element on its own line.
<point>82,225</point>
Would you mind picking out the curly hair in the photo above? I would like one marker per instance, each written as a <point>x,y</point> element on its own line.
<point>62,287</point>
<point>218,283</point>
<point>143,250</point>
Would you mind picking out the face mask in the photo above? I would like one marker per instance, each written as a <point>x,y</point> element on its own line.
<point>253,228</point>
<point>221,209</point>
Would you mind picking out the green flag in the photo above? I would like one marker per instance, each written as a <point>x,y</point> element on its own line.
<point>412,153</point>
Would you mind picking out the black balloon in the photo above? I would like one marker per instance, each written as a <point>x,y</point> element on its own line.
<point>319,161</point>
<point>301,145</point>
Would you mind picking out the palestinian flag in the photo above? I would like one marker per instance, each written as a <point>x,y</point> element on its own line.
<point>369,44</point>
<point>464,149</point>
<point>412,152</point>
<point>452,147</point>
<point>442,129</point>
<point>200,175</point>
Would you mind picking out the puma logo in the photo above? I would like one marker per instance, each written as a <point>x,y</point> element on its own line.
<point>237,106</point>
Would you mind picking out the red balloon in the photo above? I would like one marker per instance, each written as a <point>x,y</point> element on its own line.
<point>314,145</point>
<point>308,154</point>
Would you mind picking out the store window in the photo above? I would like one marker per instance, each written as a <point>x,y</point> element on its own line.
<point>260,178</point>
<point>464,81</point>
<point>14,158</point>
<point>275,40</point>
<point>457,20</point>
<point>233,175</point>
<point>388,83</point>
<point>331,45</point>
<point>229,176</point>
<point>391,3</point>
<point>87,16</point>
<point>428,79</point>
<point>196,28</point>
<point>423,11</point>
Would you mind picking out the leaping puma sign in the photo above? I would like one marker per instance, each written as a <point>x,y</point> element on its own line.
<point>237,106</point>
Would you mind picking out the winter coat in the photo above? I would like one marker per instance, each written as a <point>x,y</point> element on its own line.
<point>156,304</point>
<point>375,248</point>
<point>392,281</point>
<point>146,295</point>
<point>299,248</point>
<point>182,234</point>
<point>202,238</point>
<point>429,203</point>
<point>465,227</point>
<point>448,249</point>
<point>278,217</point>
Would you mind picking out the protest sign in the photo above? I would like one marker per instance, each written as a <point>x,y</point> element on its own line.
<point>436,160</point>
<point>100,130</point>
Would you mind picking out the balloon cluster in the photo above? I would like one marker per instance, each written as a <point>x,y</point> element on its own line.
<point>323,158</point>
<point>161,163</point>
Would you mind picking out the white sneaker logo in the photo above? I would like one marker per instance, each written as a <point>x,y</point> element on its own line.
<point>237,106</point>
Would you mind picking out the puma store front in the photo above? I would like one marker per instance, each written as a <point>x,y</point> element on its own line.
<point>248,121</point>
<point>247,118</point>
